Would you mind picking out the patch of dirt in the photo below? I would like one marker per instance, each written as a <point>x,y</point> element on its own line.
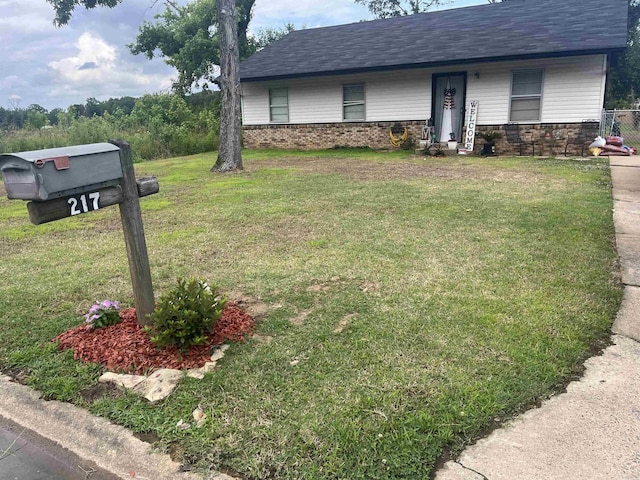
<point>125,347</point>
<point>300,318</point>
<point>262,339</point>
<point>369,286</point>
<point>358,169</point>
<point>344,323</point>
<point>254,306</point>
<point>100,390</point>
<point>146,437</point>
<point>323,286</point>
<point>317,288</point>
<point>19,375</point>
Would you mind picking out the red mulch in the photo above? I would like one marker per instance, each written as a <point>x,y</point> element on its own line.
<point>126,348</point>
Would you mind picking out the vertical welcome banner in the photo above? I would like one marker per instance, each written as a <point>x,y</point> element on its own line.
<point>470,134</point>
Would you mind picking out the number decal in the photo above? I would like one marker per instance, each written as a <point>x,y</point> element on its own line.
<point>95,197</point>
<point>74,206</point>
<point>79,203</point>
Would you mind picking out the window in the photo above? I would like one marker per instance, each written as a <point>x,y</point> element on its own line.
<point>526,95</point>
<point>279,105</point>
<point>353,102</point>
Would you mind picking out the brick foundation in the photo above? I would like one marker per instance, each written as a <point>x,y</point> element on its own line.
<point>546,139</point>
<point>312,136</point>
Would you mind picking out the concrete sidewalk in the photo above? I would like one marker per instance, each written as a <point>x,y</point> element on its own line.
<point>591,432</point>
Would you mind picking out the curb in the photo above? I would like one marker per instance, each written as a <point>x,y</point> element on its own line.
<point>110,447</point>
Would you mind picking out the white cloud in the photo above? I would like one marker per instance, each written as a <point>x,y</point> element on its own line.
<point>98,70</point>
<point>311,13</point>
<point>12,81</point>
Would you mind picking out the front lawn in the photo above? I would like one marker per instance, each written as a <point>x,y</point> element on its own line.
<point>411,302</point>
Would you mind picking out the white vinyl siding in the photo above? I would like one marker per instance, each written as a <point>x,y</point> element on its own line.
<point>279,105</point>
<point>526,95</point>
<point>573,91</point>
<point>353,102</point>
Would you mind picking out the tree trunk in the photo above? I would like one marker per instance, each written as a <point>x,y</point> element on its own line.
<point>229,154</point>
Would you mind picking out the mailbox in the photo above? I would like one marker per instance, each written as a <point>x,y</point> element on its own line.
<point>59,172</point>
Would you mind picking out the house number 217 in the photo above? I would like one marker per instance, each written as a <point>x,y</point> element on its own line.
<point>84,203</point>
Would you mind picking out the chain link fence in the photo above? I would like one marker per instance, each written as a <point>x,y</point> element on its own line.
<point>622,123</point>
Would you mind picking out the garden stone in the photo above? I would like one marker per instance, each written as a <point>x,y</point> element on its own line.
<point>197,373</point>
<point>209,367</point>
<point>159,385</point>
<point>124,381</point>
<point>219,353</point>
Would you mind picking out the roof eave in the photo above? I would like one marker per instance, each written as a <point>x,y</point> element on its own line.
<point>409,66</point>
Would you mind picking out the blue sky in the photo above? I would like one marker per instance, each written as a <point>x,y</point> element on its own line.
<point>57,67</point>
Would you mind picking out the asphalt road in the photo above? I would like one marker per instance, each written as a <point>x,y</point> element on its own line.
<point>25,455</point>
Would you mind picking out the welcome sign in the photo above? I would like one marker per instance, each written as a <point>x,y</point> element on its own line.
<point>470,134</point>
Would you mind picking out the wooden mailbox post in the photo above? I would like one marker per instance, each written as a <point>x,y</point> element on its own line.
<point>60,188</point>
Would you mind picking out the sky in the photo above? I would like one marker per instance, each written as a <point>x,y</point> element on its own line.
<point>57,67</point>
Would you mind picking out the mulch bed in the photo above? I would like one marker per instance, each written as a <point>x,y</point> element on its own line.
<point>126,348</point>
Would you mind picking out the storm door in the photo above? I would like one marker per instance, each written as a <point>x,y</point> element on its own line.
<point>447,105</point>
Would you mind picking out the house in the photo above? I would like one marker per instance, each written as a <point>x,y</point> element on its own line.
<point>539,66</point>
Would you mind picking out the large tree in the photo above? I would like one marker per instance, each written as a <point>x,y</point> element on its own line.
<point>229,152</point>
<point>623,85</point>
<point>190,38</point>
<point>187,38</point>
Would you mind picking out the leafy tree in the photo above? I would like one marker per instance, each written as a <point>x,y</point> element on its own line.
<point>93,108</point>
<point>64,8</point>
<point>396,8</point>
<point>229,153</point>
<point>186,37</point>
<point>37,116</point>
<point>623,85</point>
<point>266,36</point>
<point>54,115</point>
<point>188,49</point>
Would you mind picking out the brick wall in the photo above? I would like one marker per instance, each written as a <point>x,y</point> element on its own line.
<point>545,139</point>
<point>326,135</point>
<point>542,139</point>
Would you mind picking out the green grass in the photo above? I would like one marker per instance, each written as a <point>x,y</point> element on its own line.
<point>478,286</point>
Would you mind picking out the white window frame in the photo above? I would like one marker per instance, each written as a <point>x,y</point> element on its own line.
<point>538,96</point>
<point>271,105</point>
<point>349,103</point>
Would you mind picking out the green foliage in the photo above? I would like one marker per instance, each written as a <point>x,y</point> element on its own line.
<point>623,83</point>
<point>186,314</point>
<point>266,36</point>
<point>185,36</point>
<point>491,136</point>
<point>156,126</point>
<point>408,144</point>
<point>64,8</point>
<point>397,8</point>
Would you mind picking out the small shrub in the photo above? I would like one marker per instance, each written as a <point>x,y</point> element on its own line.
<point>102,315</point>
<point>185,315</point>
<point>408,144</point>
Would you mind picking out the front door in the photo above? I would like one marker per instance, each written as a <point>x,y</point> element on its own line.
<point>447,105</point>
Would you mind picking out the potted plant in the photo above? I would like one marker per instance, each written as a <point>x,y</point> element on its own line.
<point>452,144</point>
<point>489,148</point>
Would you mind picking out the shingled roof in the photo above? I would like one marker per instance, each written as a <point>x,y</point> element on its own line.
<point>516,29</point>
